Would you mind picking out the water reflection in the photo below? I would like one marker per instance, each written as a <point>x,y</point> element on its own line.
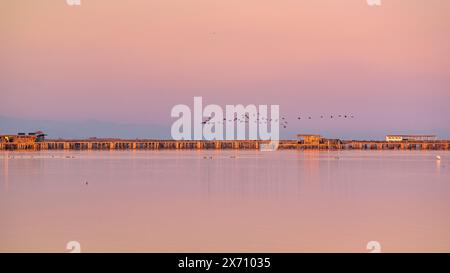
<point>225,201</point>
<point>5,159</point>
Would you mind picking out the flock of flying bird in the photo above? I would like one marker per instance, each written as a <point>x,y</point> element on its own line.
<point>283,121</point>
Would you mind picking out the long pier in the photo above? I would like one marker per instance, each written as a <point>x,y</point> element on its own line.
<point>123,144</point>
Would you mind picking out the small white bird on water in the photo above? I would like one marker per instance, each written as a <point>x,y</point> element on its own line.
<point>438,157</point>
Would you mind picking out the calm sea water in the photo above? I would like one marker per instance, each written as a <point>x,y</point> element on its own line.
<point>246,201</point>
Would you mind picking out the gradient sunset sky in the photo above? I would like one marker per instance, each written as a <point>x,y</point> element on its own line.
<point>132,61</point>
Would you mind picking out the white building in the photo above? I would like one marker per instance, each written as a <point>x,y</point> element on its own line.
<point>411,138</point>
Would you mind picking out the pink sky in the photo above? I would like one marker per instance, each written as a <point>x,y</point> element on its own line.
<point>131,61</point>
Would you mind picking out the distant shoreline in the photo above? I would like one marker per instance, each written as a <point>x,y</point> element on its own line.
<point>143,144</point>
